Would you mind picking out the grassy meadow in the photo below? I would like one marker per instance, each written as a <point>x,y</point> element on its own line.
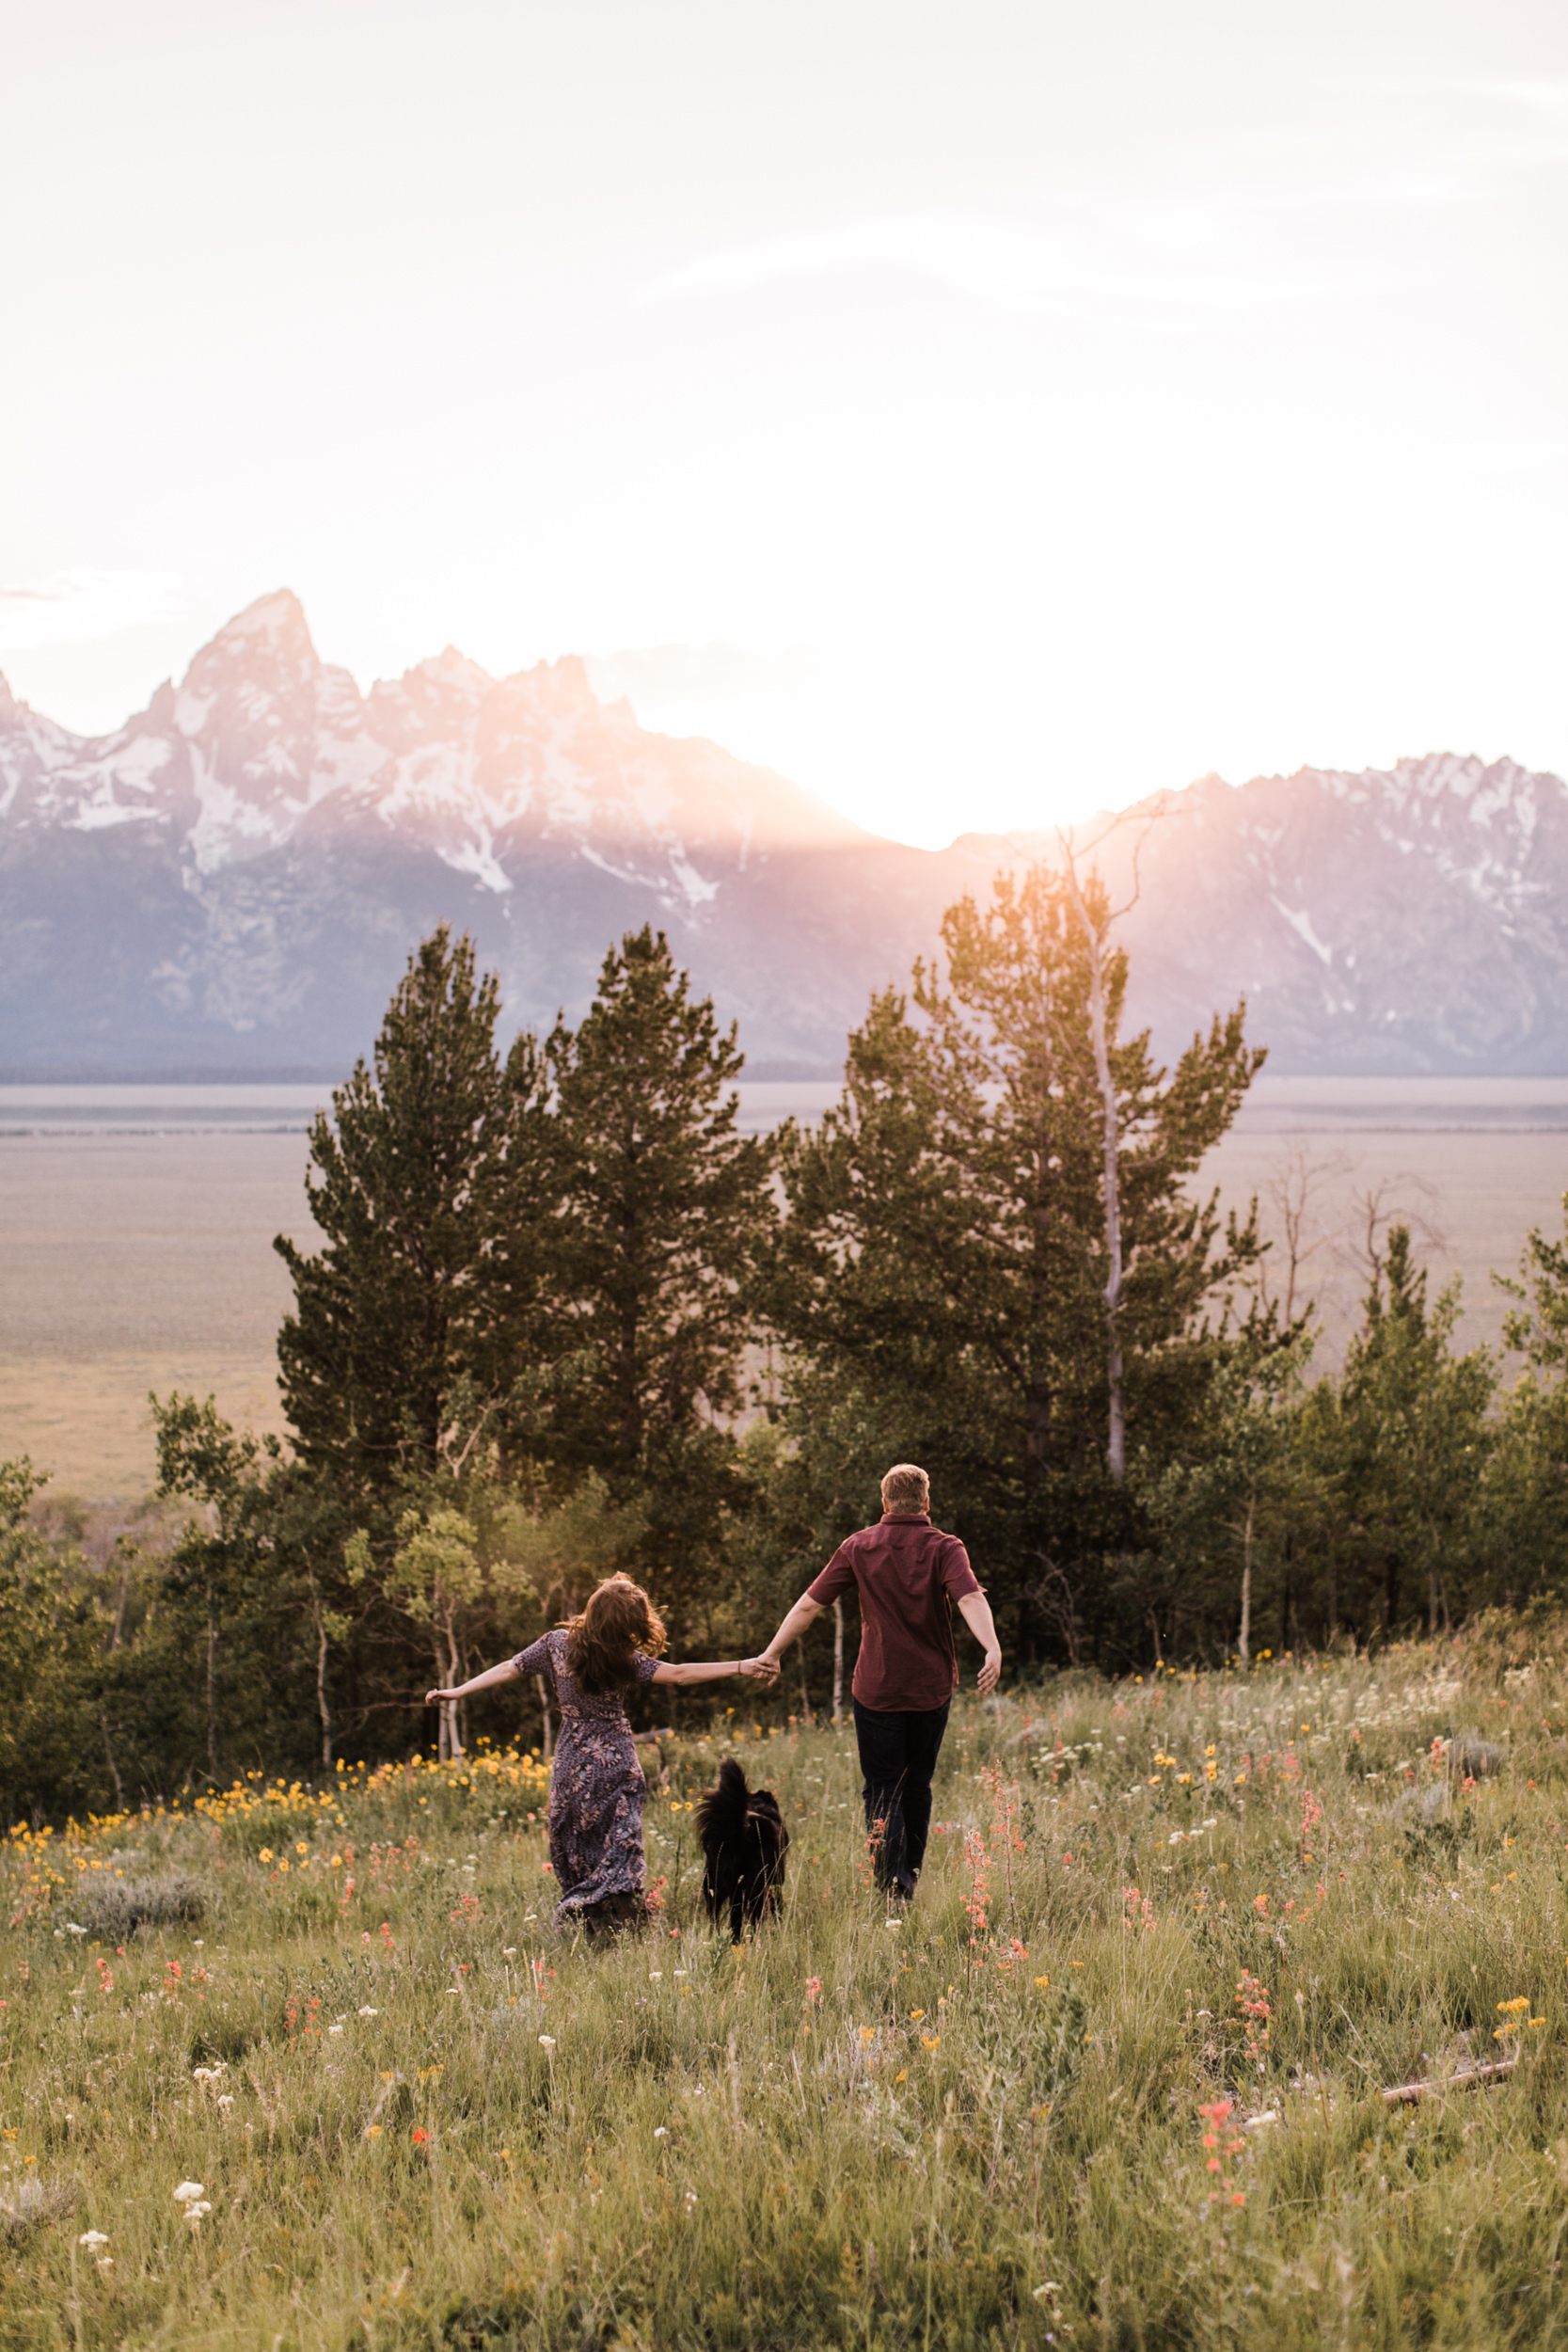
<point>1116,2079</point>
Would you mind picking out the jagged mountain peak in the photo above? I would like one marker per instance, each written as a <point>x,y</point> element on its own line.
<point>232,879</point>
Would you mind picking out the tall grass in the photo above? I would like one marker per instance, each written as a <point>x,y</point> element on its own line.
<point>1116,2079</point>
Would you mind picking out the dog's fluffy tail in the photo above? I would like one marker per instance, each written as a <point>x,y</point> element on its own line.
<point>721,1813</point>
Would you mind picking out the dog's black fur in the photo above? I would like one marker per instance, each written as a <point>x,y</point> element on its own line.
<point>744,1841</point>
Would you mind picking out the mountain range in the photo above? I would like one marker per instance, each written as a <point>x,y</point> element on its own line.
<point>229,884</point>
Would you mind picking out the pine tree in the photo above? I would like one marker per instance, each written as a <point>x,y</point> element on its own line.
<point>664,1207</point>
<point>946,1246</point>
<point>430,1183</point>
<point>1526,1489</point>
<point>1404,1432</point>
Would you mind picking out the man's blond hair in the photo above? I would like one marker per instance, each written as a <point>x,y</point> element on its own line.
<point>906,1488</point>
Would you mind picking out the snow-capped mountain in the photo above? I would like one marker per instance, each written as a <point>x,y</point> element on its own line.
<point>1393,920</point>
<point>231,882</point>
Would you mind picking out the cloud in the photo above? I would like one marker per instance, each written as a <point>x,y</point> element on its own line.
<point>1266,220</point>
<point>81,604</point>
<point>653,674</point>
<point>1195,253</point>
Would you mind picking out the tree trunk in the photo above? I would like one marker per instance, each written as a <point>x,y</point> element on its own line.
<point>1247,1583</point>
<point>450,1741</point>
<point>1115,1435</point>
<point>544,1710</point>
<point>805,1695</point>
<point>320,1681</point>
<point>838,1663</point>
<point>212,1686</point>
<point>114,1767</point>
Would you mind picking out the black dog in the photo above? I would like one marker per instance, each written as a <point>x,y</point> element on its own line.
<point>744,1842</point>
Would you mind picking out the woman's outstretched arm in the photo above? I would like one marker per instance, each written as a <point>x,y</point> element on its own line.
<point>760,1669</point>
<point>485,1681</point>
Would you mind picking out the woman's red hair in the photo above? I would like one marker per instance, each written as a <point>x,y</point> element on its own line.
<point>603,1639</point>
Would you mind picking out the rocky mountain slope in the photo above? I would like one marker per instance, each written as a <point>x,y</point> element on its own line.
<point>229,884</point>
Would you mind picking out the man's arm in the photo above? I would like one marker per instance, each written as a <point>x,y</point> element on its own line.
<point>804,1613</point>
<point>975,1610</point>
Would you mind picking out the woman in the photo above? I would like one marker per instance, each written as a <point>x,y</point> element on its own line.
<point>596,1789</point>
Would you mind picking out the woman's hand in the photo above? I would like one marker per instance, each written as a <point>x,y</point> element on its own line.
<point>435,1698</point>
<point>760,1669</point>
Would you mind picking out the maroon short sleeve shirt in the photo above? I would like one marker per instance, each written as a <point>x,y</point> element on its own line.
<point>906,1574</point>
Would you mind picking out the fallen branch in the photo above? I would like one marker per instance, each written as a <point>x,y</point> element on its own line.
<point>1474,2078</point>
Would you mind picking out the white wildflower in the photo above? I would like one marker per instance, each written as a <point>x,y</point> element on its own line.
<point>547,2041</point>
<point>94,2239</point>
<point>187,2190</point>
<point>369,2013</point>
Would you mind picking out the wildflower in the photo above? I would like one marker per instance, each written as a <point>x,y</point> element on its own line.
<point>930,2041</point>
<point>422,2138</point>
<point>94,2239</point>
<point>265,1855</point>
<point>893,1923</point>
<point>659,2132</point>
<point>547,2041</point>
<point>868,2033</point>
<point>1042,1982</point>
<point>369,2013</point>
<point>187,2191</point>
<point>813,1988</point>
<point>226,2098</point>
<point>916,2014</point>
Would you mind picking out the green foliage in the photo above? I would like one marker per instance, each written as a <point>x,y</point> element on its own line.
<point>1403,1435</point>
<point>1224,1510</point>
<point>944,1248</point>
<point>1525,1496</point>
<point>431,1184</point>
<point>664,1210</point>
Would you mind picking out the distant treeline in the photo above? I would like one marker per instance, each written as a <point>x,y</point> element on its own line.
<point>566,1318</point>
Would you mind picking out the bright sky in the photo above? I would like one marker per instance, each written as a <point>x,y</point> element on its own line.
<point>977,411</point>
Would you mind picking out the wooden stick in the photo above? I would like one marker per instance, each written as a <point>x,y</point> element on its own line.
<point>1476,2078</point>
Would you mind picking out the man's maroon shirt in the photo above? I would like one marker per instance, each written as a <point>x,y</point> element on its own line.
<point>906,1572</point>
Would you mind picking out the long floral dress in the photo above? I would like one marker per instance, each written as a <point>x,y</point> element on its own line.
<point>596,1789</point>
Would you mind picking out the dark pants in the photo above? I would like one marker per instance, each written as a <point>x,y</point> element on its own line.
<point>899,1756</point>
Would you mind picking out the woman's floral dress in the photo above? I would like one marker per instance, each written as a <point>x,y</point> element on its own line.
<point>596,1789</point>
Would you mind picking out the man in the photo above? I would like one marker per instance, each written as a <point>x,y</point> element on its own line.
<point>907,1573</point>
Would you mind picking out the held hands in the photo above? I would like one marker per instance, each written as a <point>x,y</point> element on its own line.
<point>433,1698</point>
<point>991,1672</point>
<point>760,1669</point>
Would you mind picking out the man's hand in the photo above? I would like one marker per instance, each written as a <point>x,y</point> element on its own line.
<point>764,1669</point>
<point>975,1608</point>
